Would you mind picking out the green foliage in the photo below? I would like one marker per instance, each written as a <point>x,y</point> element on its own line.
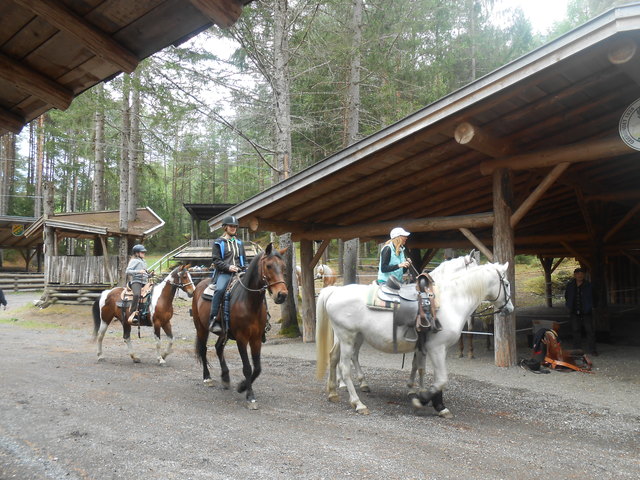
<point>559,280</point>
<point>526,260</point>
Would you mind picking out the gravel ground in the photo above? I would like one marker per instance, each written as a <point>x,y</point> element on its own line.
<point>63,415</point>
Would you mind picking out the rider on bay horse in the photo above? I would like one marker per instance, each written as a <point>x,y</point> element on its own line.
<point>229,258</point>
<point>137,268</point>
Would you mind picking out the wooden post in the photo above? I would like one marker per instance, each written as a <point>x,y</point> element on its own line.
<point>105,254</point>
<point>548,286</point>
<point>308,292</point>
<point>503,251</point>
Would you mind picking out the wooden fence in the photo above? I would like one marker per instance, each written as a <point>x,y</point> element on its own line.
<point>67,270</point>
<point>21,281</point>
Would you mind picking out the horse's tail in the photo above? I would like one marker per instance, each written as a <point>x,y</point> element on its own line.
<point>95,310</point>
<point>324,332</point>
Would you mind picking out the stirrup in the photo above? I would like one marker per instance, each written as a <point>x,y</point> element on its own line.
<point>134,319</point>
<point>215,327</point>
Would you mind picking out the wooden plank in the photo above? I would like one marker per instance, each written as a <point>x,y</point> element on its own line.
<point>95,40</point>
<point>34,83</point>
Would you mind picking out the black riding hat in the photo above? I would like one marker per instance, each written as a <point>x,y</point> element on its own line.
<point>138,248</point>
<point>230,220</point>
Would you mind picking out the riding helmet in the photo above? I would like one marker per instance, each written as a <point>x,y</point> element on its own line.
<point>138,248</point>
<point>230,220</point>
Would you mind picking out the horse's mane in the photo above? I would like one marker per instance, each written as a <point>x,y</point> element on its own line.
<point>471,282</point>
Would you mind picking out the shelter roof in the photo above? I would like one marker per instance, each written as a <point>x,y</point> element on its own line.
<point>204,211</point>
<point>12,230</point>
<point>93,224</point>
<point>552,117</point>
<point>50,52</point>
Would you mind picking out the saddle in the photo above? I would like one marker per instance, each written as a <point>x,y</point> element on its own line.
<point>126,298</point>
<point>557,357</point>
<point>413,306</point>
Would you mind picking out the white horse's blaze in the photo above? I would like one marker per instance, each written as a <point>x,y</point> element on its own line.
<point>342,311</point>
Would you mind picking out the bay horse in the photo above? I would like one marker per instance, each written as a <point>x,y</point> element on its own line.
<point>105,309</point>
<point>342,313</point>
<point>248,318</point>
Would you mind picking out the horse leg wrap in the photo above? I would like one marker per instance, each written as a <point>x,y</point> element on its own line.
<point>426,397</point>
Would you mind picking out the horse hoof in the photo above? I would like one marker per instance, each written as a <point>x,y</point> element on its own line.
<point>342,385</point>
<point>161,362</point>
<point>226,385</point>
<point>472,356</point>
<point>365,388</point>
<point>416,403</point>
<point>461,355</point>
<point>208,382</point>
<point>333,397</point>
<point>362,410</point>
<point>252,405</point>
<point>101,360</point>
<point>445,413</point>
<point>135,359</point>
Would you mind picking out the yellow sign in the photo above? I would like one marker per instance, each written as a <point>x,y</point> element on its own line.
<point>17,229</point>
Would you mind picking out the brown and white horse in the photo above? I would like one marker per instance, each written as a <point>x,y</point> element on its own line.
<point>248,318</point>
<point>105,310</point>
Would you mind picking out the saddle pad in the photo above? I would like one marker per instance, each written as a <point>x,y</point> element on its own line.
<point>375,302</point>
<point>209,291</point>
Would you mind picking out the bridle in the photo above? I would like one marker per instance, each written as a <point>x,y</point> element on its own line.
<point>266,286</point>
<point>180,284</point>
<point>507,299</point>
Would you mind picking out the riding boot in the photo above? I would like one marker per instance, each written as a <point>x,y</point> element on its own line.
<point>134,316</point>
<point>215,326</point>
<point>436,326</point>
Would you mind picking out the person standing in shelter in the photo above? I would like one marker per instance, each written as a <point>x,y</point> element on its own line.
<point>137,268</point>
<point>580,300</point>
<point>3,300</point>
<point>229,258</point>
<point>393,262</point>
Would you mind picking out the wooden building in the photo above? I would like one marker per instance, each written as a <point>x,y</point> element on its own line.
<point>528,159</point>
<point>73,276</point>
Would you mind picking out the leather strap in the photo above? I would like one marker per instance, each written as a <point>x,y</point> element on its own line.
<point>555,363</point>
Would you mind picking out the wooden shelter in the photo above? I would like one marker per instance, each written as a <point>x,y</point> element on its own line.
<point>527,159</point>
<point>12,236</point>
<point>72,276</point>
<point>53,50</point>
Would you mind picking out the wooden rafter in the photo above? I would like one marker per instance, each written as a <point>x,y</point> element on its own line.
<point>34,83</point>
<point>622,222</point>
<point>95,40</point>
<point>477,243</point>
<point>10,121</point>
<point>223,12</point>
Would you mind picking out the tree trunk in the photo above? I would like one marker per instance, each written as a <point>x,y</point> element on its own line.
<point>134,152</point>
<point>123,250</point>
<point>352,122</point>
<point>7,172</point>
<point>282,112</point>
<point>98,202</point>
<point>39,174</point>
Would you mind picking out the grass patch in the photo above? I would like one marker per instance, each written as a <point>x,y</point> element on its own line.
<point>33,324</point>
<point>292,331</point>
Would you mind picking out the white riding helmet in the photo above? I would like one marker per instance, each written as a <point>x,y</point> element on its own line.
<point>397,232</point>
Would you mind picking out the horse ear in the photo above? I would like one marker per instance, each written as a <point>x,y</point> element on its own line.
<point>268,250</point>
<point>283,251</point>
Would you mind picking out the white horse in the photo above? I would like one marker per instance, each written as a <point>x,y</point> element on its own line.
<point>446,269</point>
<point>342,311</point>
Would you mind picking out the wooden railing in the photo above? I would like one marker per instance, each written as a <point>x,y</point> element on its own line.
<point>21,281</point>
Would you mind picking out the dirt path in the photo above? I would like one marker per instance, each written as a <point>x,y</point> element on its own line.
<point>62,415</point>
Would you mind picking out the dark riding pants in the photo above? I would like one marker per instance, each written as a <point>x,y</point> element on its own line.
<point>137,289</point>
<point>222,280</point>
<point>586,321</point>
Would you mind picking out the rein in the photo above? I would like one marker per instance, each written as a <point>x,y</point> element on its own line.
<point>507,298</point>
<point>262,289</point>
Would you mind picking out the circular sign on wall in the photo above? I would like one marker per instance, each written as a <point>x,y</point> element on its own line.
<point>629,126</point>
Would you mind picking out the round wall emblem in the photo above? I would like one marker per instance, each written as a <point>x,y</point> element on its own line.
<point>630,125</point>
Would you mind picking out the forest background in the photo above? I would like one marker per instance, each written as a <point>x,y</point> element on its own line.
<point>303,80</point>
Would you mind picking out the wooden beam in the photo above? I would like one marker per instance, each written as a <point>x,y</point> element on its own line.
<point>480,140</point>
<point>477,243</point>
<point>539,191</point>
<point>105,254</point>
<point>61,17</point>
<point>308,292</point>
<point>10,121</point>
<point>557,264</point>
<point>576,254</point>
<point>577,152</point>
<point>316,258</point>
<point>622,223</point>
<point>428,224</point>
<point>269,225</point>
<point>618,196</point>
<point>34,83</point>
<point>222,12</point>
<point>585,213</point>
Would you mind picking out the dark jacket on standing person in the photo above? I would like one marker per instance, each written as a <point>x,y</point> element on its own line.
<point>588,299</point>
<point>3,300</point>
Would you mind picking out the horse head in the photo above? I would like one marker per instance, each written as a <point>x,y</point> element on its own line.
<point>502,302</point>
<point>272,266</point>
<point>181,278</point>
